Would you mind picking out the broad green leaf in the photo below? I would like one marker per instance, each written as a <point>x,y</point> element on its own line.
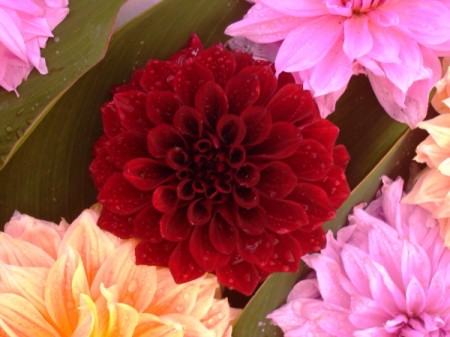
<point>48,177</point>
<point>80,42</point>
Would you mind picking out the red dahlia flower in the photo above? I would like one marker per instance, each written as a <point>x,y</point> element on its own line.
<point>217,166</point>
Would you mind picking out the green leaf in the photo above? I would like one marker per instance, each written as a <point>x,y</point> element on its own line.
<point>48,177</point>
<point>80,42</point>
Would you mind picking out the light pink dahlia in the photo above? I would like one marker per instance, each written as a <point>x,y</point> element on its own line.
<point>25,27</point>
<point>396,43</point>
<point>386,275</point>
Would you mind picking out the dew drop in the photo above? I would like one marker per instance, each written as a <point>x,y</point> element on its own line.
<point>9,129</point>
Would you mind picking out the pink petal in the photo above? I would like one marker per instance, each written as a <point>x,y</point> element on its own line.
<point>317,37</point>
<point>357,38</point>
<point>298,7</point>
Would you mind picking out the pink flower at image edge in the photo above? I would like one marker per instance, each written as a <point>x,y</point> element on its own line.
<point>395,43</point>
<point>25,27</point>
<point>384,275</point>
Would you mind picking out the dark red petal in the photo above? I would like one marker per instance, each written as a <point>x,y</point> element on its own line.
<point>311,162</point>
<point>100,168</point>
<point>323,131</point>
<point>189,79</point>
<point>282,141</point>
<point>242,91</point>
<point>292,104</point>
<point>220,61</point>
<point>312,241</point>
<point>199,212</point>
<point>175,226</point>
<point>258,123</point>
<point>120,197</point>
<point>245,197</point>
<point>251,221</point>
<point>239,275</point>
<point>188,121</point>
<point>158,75</point>
<point>222,234</point>
<point>236,156</point>
<point>286,255</point>
<point>177,158</point>
<point>130,107</point>
<point>202,250</point>
<point>315,200</point>
<point>119,225</point>
<point>256,249</point>
<point>267,80</point>
<point>284,79</point>
<point>230,129</point>
<point>126,146</point>
<point>189,52</point>
<point>162,138</point>
<point>182,265</point>
<point>284,216</point>
<point>185,190</point>
<point>211,102</point>
<point>146,174</point>
<point>111,121</point>
<point>341,156</point>
<point>161,106</point>
<point>247,175</point>
<point>336,186</point>
<point>154,254</point>
<point>243,59</point>
<point>165,199</point>
<point>277,180</point>
<point>146,225</point>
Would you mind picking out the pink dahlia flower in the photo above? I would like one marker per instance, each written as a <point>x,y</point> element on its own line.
<point>77,280</point>
<point>25,27</point>
<point>217,166</point>
<point>386,275</point>
<point>396,43</point>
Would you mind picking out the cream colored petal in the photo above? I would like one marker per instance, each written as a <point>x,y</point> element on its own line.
<point>430,153</point>
<point>87,319</point>
<point>18,317</point>
<point>445,230</point>
<point>218,318</point>
<point>20,253</point>
<point>431,186</point>
<point>136,284</point>
<point>115,319</point>
<point>174,298</point>
<point>27,282</point>
<point>439,129</point>
<point>93,244</point>
<point>152,326</point>
<point>208,291</point>
<point>192,327</point>
<point>65,283</point>
<point>44,234</point>
<point>444,167</point>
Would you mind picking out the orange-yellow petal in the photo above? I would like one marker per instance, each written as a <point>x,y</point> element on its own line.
<point>26,282</point>
<point>87,319</point>
<point>18,317</point>
<point>135,284</point>
<point>191,326</point>
<point>93,244</point>
<point>65,283</point>
<point>153,326</point>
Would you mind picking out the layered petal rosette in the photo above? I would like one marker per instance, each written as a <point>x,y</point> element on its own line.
<point>396,43</point>
<point>217,166</point>
<point>77,280</point>
<point>25,27</point>
<point>386,274</point>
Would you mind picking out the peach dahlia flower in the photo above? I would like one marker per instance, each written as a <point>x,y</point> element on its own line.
<point>432,189</point>
<point>81,281</point>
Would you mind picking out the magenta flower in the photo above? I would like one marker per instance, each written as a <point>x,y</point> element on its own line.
<point>25,27</point>
<point>386,275</point>
<point>396,43</point>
